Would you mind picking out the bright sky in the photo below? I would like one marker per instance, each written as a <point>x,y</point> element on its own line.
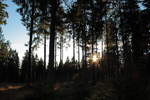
<point>16,33</point>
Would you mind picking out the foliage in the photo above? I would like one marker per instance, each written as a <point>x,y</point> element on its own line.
<point>3,13</point>
<point>38,69</point>
<point>121,24</point>
<point>9,61</point>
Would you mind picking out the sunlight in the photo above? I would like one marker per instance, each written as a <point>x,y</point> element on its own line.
<point>94,58</point>
<point>10,88</point>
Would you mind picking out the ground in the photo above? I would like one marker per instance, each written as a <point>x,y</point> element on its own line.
<point>15,91</point>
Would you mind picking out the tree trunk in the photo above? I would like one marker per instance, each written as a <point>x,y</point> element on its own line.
<point>78,54</point>
<point>55,52</point>
<point>53,33</point>
<point>30,43</point>
<point>73,42</point>
<point>85,51</point>
<point>44,50</point>
<point>102,51</point>
<point>117,55</point>
<point>92,26</point>
<point>96,45</point>
<point>61,47</point>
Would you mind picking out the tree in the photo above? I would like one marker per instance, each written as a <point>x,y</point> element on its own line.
<point>40,70</point>
<point>3,14</point>
<point>43,24</point>
<point>27,10</point>
<point>146,24</point>
<point>9,62</point>
<point>112,39</point>
<point>24,68</point>
<point>4,51</point>
<point>53,12</point>
<point>13,66</point>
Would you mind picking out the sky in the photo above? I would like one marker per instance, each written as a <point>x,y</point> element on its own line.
<point>16,33</point>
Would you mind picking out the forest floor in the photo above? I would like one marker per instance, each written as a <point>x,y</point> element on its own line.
<point>14,91</point>
<point>74,90</point>
<point>57,91</point>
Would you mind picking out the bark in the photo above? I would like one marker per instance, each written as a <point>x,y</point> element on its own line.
<point>30,43</point>
<point>78,54</point>
<point>73,42</point>
<point>55,52</point>
<point>92,26</point>
<point>53,33</point>
<point>61,48</point>
<point>45,51</point>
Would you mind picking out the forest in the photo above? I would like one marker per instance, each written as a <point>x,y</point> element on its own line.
<point>110,48</point>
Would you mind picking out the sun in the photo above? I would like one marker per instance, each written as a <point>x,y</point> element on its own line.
<point>94,58</point>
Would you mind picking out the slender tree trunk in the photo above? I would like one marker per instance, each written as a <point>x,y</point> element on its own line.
<point>61,47</point>
<point>102,59</point>
<point>107,50</point>
<point>73,42</point>
<point>127,56</point>
<point>30,43</point>
<point>96,44</point>
<point>117,55</point>
<point>82,54</point>
<point>84,45</point>
<point>102,48</point>
<point>85,51</point>
<point>92,26</point>
<point>44,50</point>
<point>78,54</point>
<point>53,33</point>
<point>55,53</point>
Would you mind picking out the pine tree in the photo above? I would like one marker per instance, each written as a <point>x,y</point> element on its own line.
<point>24,68</point>
<point>27,10</point>
<point>41,70</point>
<point>53,12</point>
<point>3,14</point>
<point>4,52</point>
<point>13,66</point>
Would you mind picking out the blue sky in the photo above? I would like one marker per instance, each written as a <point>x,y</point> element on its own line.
<point>14,31</point>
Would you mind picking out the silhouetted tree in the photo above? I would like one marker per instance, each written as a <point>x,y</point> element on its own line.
<point>40,70</point>
<point>24,68</point>
<point>4,51</point>
<point>27,10</point>
<point>54,8</point>
<point>12,74</point>
<point>9,62</point>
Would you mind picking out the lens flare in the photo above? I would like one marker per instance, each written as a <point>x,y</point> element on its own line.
<point>94,58</point>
